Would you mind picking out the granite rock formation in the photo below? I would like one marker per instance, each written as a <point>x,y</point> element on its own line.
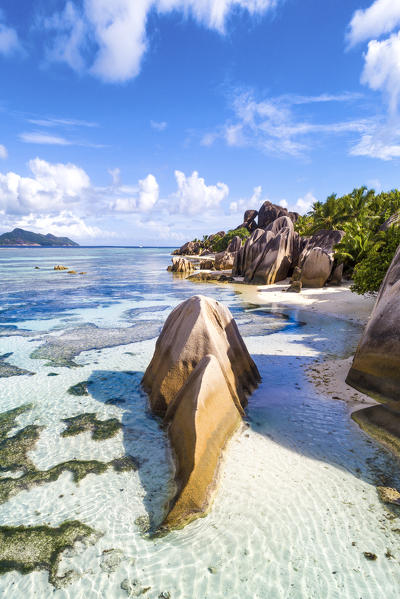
<point>376,365</point>
<point>198,380</point>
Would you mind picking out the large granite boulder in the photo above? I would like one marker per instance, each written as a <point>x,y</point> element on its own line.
<point>246,254</point>
<point>376,365</point>
<point>235,244</point>
<point>275,261</point>
<point>268,213</point>
<point>224,260</point>
<point>208,264</point>
<point>249,221</point>
<point>316,268</point>
<point>202,419</point>
<point>199,379</point>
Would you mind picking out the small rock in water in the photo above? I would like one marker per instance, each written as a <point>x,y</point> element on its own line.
<point>389,495</point>
<point>133,588</point>
<point>371,556</point>
<point>212,570</point>
<point>143,523</point>
<point>53,374</point>
<point>111,559</point>
<point>164,595</point>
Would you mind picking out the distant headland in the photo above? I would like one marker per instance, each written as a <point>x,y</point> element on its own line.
<point>20,237</point>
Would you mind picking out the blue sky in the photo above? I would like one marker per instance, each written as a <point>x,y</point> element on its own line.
<point>154,121</point>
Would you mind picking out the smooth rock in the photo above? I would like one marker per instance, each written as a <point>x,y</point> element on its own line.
<point>198,327</point>
<point>316,268</point>
<point>224,260</point>
<point>376,365</point>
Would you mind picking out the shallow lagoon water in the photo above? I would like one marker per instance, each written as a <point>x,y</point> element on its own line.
<point>297,504</point>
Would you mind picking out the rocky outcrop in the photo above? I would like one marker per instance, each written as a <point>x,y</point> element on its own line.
<point>234,245</point>
<point>393,220</point>
<point>224,260</point>
<point>181,265</point>
<point>376,365</point>
<point>198,380</point>
<point>215,277</point>
<point>270,212</point>
<point>249,221</point>
<point>337,275</point>
<point>208,264</point>
<point>275,262</point>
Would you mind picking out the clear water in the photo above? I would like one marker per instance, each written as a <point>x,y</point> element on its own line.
<point>297,504</point>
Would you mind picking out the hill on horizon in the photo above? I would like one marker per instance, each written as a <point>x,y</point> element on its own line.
<point>20,237</point>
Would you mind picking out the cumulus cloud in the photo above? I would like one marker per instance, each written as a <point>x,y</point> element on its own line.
<point>381,17</point>
<point>64,224</point>
<point>304,204</point>
<point>246,203</point>
<point>283,203</point>
<point>136,199</point>
<point>52,187</point>
<point>382,68</point>
<point>109,38</point>
<point>381,73</point>
<point>3,152</point>
<point>194,196</point>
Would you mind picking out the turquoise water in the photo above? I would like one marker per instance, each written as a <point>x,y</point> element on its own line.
<point>297,505</point>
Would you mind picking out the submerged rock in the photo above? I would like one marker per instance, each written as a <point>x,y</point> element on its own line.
<point>198,379</point>
<point>100,429</point>
<point>205,277</point>
<point>29,548</point>
<point>376,365</point>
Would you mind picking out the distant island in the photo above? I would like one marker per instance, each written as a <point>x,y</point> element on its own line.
<point>21,237</point>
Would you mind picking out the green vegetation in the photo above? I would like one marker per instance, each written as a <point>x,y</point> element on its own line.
<point>79,389</point>
<point>221,243</point>
<point>101,429</point>
<point>366,251</point>
<point>29,548</point>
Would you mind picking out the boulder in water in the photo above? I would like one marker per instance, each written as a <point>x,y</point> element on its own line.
<point>198,379</point>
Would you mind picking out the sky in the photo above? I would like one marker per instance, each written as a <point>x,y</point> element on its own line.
<point>151,122</point>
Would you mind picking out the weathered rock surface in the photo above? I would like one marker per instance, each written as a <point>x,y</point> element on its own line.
<point>198,379</point>
<point>235,244</point>
<point>249,221</point>
<point>205,277</point>
<point>337,275</point>
<point>202,419</point>
<point>316,268</point>
<point>208,264</point>
<point>376,366</point>
<point>181,265</point>
<point>224,260</point>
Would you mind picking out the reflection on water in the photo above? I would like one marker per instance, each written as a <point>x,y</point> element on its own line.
<point>297,504</point>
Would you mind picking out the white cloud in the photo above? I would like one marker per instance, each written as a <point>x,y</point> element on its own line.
<point>64,224</point>
<point>247,203</point>
<point>382,68</point>
<point>43,138</point>
<point>158,126</point>
<point>272,125</point>
<point>383,16</point>
<point>52,187</point>
<point>283,203</point>
<point>113,34</point>
<point>3,152</point>
<point>148,193</point>
<point>380,145</point>
<point>56,122</point>
<point>304,204</point>
<point>194,196</point>
<point>136,199</point>
<point>8,39</point>
<point>115,175</point>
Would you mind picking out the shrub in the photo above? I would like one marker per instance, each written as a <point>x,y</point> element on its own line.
<point>222,243</point>
<point>370,272</point>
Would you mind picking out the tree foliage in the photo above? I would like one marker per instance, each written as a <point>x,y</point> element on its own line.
<point>365,250</point>
<point>220,244</point>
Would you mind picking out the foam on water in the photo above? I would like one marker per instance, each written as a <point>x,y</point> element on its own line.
<point>297,503</point>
